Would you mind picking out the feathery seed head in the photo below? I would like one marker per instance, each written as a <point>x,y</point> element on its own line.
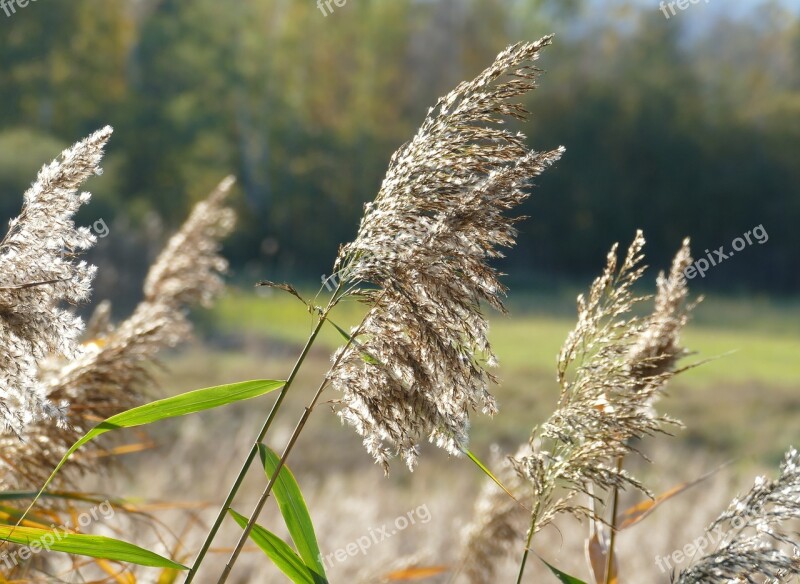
<point>188,270</point>
<point>759,541</point>
<point>109,372</point>
<point>611,368</point>
<point>418,363</point>
<point>39,272</point>
<point>658,348</point>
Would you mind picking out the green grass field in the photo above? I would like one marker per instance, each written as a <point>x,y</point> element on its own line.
<point>741,402</point>
<point>748,341</point>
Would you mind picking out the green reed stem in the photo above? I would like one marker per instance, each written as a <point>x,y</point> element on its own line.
<point>295,435</point>
<point>612,538</point>
<point>528,543</point>
<point>254,450</point>
<point>265,495</point>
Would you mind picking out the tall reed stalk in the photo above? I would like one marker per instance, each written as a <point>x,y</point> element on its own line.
<point>415,368</point>
<point>226,506</point>
<point>417,363</point>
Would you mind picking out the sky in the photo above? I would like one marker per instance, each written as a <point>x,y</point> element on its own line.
<point>709,10</point>
<point>694,20</point>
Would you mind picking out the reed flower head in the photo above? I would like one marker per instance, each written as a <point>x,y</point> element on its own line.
<point>498,524</point>
<point>418,362</point>
<point>110,372</point>
<point>39,271</point>
<point>657,349</point>
<point>611,369</point>
<point>189,270</point>
<point>758,542</point>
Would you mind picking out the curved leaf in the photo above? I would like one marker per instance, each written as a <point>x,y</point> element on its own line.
<point>95,546</point>
<point>277,550</point>
<point>409,574</point>
<point>489,474</point>
<point>294,510</point>
<point>565,578</point>
<point>635,514</point>
<point>171,407</point>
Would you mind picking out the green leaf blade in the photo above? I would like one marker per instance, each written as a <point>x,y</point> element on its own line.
<point>294,510</point>
<point>180,405</point>
<point>491,475</point>
<point>192,402</point>
<point>278,551</point>
<point>367,358</point>
<point>95,546</point>
<point>565,578</point>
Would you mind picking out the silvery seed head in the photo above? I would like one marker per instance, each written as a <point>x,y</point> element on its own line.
<point>39,272</point>
<point>611,368</point>
<point>760,541</point>
<point>419,362</point>
<point>110,371</point>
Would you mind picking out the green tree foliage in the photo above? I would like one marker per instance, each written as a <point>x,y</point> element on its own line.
<point>668,129</point>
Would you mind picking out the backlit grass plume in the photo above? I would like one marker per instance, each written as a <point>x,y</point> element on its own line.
<point>611,368</point>
<point>759,541</point>
<point>39,271</point>
<point>111,371</point>
<point>653,357</point>
<point>419,361</point>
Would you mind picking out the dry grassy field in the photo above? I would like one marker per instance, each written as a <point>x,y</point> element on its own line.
<point>738,407</point>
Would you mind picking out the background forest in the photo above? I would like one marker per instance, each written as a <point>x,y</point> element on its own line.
<point>685,125</point>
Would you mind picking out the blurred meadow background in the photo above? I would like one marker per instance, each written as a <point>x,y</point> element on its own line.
<point>681,125</point>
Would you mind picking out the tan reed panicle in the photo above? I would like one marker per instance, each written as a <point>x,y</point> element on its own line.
<point>110,372</point>
<point>419,361</point>
<point>611,368</point>
<point>39,271</point>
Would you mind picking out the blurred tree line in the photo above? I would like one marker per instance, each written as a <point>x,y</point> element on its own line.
<point>676,131</point>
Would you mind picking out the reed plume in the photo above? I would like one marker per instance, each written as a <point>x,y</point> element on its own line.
<point>111,372</point>
<point>419,361</point>
<point>41,271</point>
<point>757,540</point>
<point>654,356</point>
<point>611,369</point>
